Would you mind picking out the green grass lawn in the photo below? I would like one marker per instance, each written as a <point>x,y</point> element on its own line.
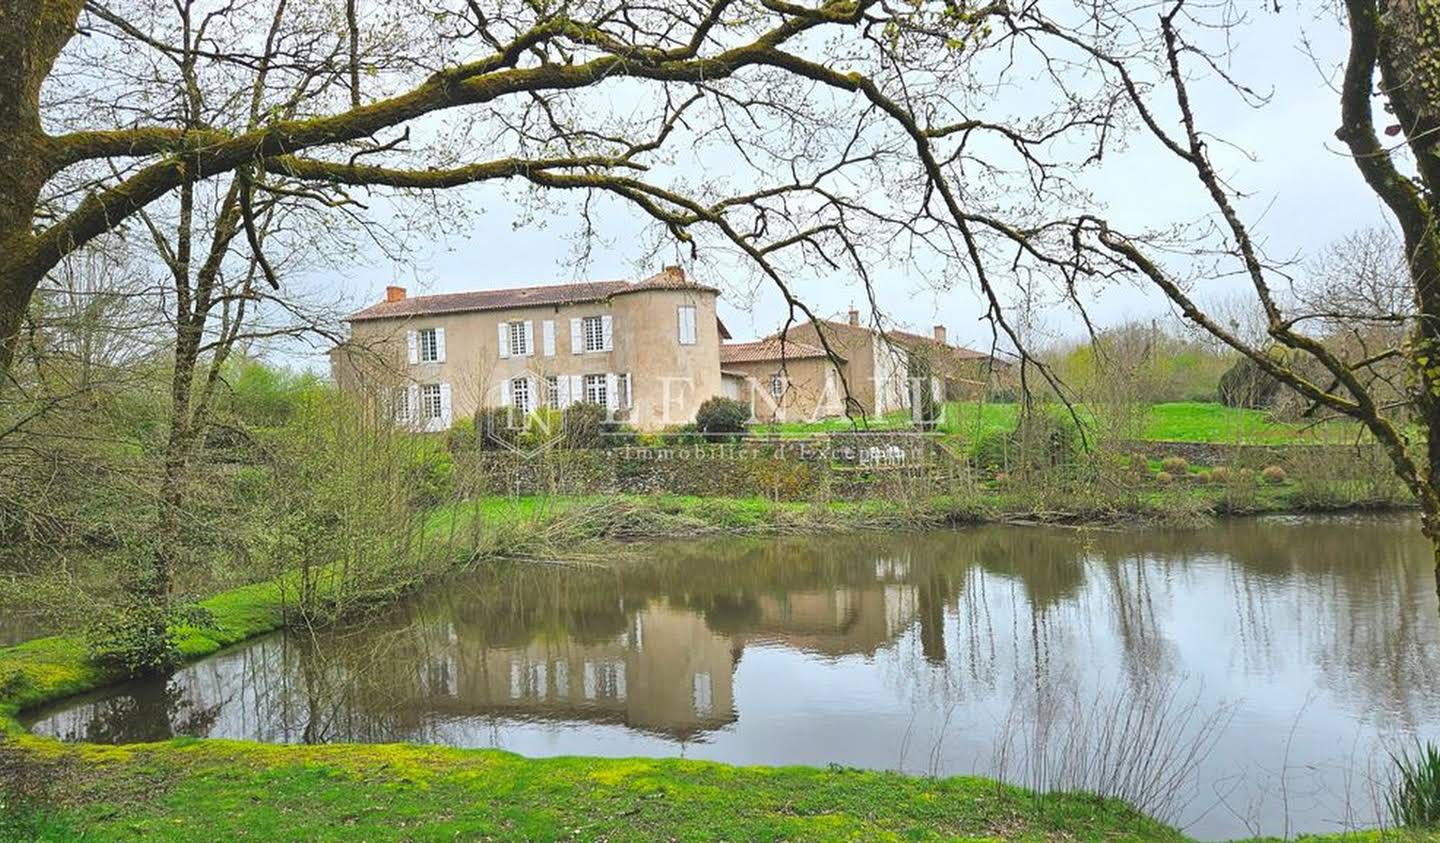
<point>1187,421</point>
<point>224,790</point>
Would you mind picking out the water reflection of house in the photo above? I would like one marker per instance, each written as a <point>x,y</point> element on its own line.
<point>667,673</point>
<point>837,621</point>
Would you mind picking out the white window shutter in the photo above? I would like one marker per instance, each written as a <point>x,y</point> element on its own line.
<point>412,403</point>
<point>607,332</point>
<point>577,340</point>
<point>547,336</point>
<point>534,394</point>
<point>505,392</point>
<point>529,338</point>
<point>562,391</point>
<point>444,404</point>
<point>629,400</point>
<point>440,347</point>
<point>685,316</point>
<point>504,339</point>
<point>612,396</point>
<point>413,343</point>
<point>577,388</point>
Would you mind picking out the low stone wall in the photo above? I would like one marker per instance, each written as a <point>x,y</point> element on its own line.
<point>1212,454</point>
<point>779,470</point>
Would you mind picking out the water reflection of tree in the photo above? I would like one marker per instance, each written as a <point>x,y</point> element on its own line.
<point>957,615</point>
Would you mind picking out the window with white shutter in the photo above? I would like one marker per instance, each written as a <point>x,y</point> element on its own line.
<point>552,392</point>
<point>687,324</point>
<point>431,407</point>
<point>520,395</point>
<point>595,389</point>
<point>429,345</point>
<point>594,330</point>
<point>547,337</point>
<point>519,339</point>
<point>777,385</point>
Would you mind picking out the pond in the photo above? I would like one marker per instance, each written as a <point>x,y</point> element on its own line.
<point>1246,677</point>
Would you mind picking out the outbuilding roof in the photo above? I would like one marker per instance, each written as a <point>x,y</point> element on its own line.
<point>770,348</point>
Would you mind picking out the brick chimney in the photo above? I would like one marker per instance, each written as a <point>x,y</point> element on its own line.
<point>854,316</point>
<point>676,272</point>
<point>940,334</point>
<point>393,293</point>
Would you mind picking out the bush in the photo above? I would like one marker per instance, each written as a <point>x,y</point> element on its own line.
<point>585,425</point>
<point>430,476</point>
<point>1414,798</point>
<point>1177,466</point>
<point>1273,474</point>
<point>493,428</point>
<point>1219,475</point>
<point>1046,440</point>
<point>1164,478</point>
<point>542,427</point>
<point>722,419</point>
<point>685,434</point>
<point>460,438</point>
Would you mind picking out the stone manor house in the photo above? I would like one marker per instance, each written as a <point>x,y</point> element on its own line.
<point>650,351</point>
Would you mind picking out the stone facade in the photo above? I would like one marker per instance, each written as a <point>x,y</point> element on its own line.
<point>649,351</point>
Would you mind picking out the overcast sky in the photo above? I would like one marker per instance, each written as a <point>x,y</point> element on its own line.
<point>1302,194</point>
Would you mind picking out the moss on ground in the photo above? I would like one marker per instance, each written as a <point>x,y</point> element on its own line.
<point>221,790</point>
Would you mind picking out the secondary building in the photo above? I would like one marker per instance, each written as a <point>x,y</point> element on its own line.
<point>806,371</point>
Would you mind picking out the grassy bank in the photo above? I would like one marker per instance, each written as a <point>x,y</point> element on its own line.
<point>1180,421</point>
<point>220,790</point>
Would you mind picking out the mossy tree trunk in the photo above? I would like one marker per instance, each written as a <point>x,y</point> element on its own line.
<point>32,34</point>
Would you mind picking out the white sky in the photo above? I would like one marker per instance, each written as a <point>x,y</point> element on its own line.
<point>1302,193</point>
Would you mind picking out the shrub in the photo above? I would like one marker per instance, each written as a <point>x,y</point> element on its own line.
<point>137,636</point>
<point>1414,797</point>
<point>1176,466</point>
<point>992,450</point>
<point>1220,475</point>
<point>460,438</point>
<point>430,476</point>
<point>1273,474</point>
<point>685,434</point>
<point>495,427</point>
<point>1046,440</point>
<point>585,425</point>
<point>722,419</point>
<point>1164,478</point>
<point>542,426</point>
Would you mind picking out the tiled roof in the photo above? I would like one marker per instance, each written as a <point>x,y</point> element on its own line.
<point>672,278</point>
<point>960,351</point>
<point>908,339</point>
<point>768,349</point>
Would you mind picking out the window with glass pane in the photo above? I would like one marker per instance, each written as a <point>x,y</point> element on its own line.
<point>777,385</point>
<point>430,401</point>
<point>552,392</point>
<point>595,389</point>
<point>518,346</point>
<point>594,328</point>
<point>429,345</point>
<point>520,394</point>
